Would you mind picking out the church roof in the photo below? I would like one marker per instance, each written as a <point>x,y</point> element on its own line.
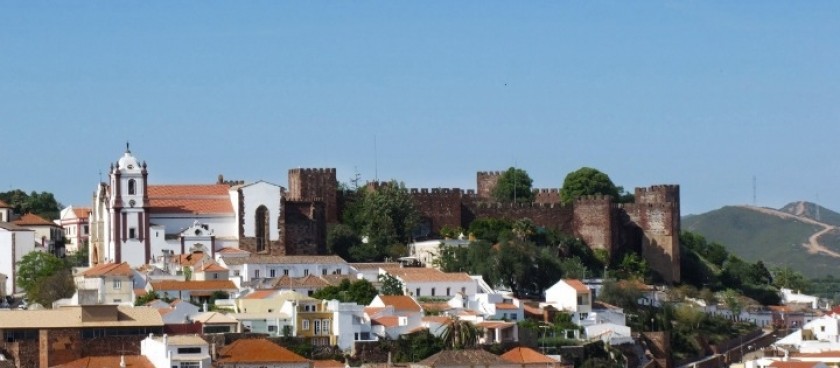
<point>202,199</point>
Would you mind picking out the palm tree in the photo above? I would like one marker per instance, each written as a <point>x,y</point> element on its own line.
<point>459,334</point>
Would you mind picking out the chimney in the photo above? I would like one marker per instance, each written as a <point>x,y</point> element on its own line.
<point>213,351</point>
<point>165,340</point>
<point>122,361</point>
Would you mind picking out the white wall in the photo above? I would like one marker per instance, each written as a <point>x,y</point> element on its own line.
<point>468,287</point>
<point>23,242</point>
<point>261,194</point>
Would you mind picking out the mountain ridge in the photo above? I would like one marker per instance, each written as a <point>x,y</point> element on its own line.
<point>801,234</point>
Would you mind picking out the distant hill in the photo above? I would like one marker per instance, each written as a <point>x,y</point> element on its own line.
<point>797,235</point>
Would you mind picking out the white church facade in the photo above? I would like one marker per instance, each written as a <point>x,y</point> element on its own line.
<point>138,222</point>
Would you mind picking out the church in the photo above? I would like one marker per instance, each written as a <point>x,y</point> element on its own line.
<point>138,222</point>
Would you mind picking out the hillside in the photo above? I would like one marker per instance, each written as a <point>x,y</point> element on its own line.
<point>790,236</point>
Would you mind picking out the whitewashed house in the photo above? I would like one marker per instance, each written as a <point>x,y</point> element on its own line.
<point>176,351</point>
<point>428,251</point>
<point>15,242</point>
<point>571,296</point>
<point>263,266</point>
<point>430,282</point>
<point>76,224</point>
<point>393,315</point>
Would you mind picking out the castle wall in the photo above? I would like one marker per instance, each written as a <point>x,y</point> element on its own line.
<point>547,195</point>
<point>594,221</point>
<point>549,215</point>
<point>439,206</point>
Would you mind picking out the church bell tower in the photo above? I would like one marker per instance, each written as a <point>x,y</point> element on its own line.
<point>129,205</point>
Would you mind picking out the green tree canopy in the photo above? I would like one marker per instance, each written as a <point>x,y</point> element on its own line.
<point>390,285</point>
<point>587,181</point>
<point>340,239</point>
<point>514,185</point>
<point>42,204</point>
<point>385,215</point>
<point>459,334</point>
<point>360,292</point>
<point>44,277</point>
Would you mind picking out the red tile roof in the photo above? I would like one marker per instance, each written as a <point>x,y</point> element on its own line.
<point>212,267</point>
<point>792,364</point>
<point>260,294</point>
<point>524,355</point>
<point>109,269</point>
<point>131,361</point>
<point>422,274</point>
<point>207,285</point>
<point>577,285</point>
<point>308,281</point>
<point>189,259</point>
<point>401,303</point>
<point>81,212</point>
<point>195,199</point>
<point>387,321</point>
<point>31,219</point>
<point>257,351</point>
<point>506,306</point>
<point>4,205</point>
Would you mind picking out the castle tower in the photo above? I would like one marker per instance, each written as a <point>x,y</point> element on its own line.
<point>128,210</point>
<point>485,184</point>
<point>594,221</point>
<point>316,185</point>
<point>657,213</point>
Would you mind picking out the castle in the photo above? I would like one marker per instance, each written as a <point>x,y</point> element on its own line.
<point>137,222</point>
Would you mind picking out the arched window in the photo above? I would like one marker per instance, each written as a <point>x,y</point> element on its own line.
<point>261,228</point>
<point>132,186</point>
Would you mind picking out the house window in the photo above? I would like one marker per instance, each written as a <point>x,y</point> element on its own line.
<point>215,275</point>
<point>306,272</point>
<point>117,284</point>
<point>87,230</point>
<point>305,325</point>
<point>317,326</point>
<point>417,292</point>
<point>513,316</point>
<point>132,233</point>
<point>338,271</point>
<point>190,365</point>
<point>271,272</point>
<point>256,274</point>
<point>324,271</point>
<point>433,291</point>
<point>285,272</point>
<point>236,272</point>
<point>272,328</point>
<point>132,187</point>
<point>447,291</point>
<point>583,316</point>
<point>325,326</point>
<point>190,350</point>
<point>463,290</point>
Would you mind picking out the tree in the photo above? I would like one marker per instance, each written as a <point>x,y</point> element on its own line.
<point>360,292</point>
<point>34,267</point>
<point>145,298</point>
<point>786,277</point>
<point>490,229</point>
<point>57,286</point>
<point>385,215</point>
<point>459,334</point>
<point>622,293</point>
<point>42,204</point>
<point>340,239</point>
<point>587,181</point>
<point>514,185</point>
<point>390,285</point>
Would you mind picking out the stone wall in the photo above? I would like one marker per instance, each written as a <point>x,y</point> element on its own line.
<point>594,221</point>
<point>303,227</point>
<point>439,206</point>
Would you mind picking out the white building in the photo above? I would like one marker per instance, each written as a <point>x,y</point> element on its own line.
<point>571,296</point>
<point>105,283</point>
<point>428,251</point>
<point>262,266</point>
<point>794,297</point>
<point>134,221</point>
<point>15,242</point>
<point>350,324</point>
<point>821,334</point>
<point>48,235</point>
<point>394,315</point>
<point>430,282</point>
<point>176,351</point>
<point>75,221</point>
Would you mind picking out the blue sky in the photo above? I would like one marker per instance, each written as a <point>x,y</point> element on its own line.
<point>702,94</point>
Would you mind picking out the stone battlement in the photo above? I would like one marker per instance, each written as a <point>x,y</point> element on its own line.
<point>503,205</point>
<point>595,198</point>
<point>436,191</point>
<point>546,190</point>
<point>322,170</point>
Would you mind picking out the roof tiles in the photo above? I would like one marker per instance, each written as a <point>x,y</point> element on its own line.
<point>194,199</point>
<point>257,351</point>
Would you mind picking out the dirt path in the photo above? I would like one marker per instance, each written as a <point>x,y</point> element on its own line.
<point>813,245</point>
